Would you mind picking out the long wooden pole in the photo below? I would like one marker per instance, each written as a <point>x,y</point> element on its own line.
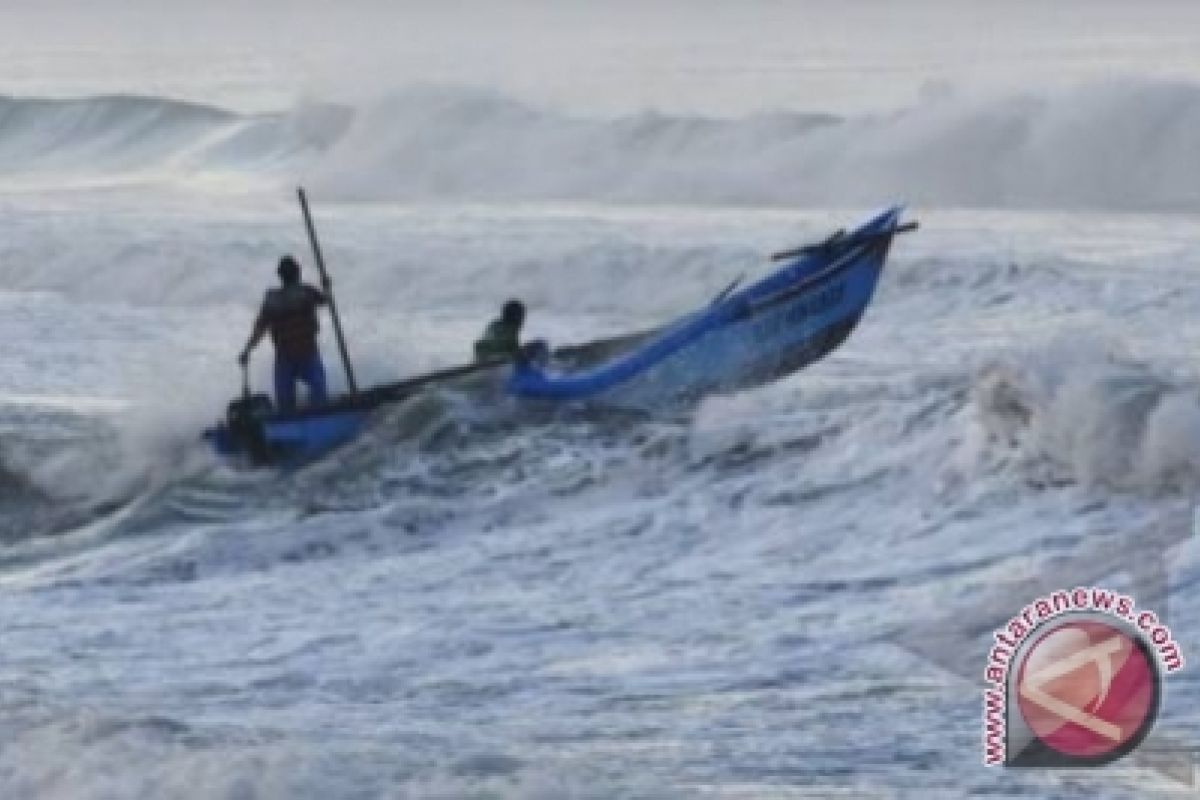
<point>337,322</point>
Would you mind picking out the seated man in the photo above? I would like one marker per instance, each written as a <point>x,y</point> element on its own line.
<point>290,314</point>
<point>502,337</point>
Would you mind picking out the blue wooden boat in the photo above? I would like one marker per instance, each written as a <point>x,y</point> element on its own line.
<point>776,326</point>
<point>743,338</point>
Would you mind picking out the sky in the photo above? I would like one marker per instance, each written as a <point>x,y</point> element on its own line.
<point>703,56</point>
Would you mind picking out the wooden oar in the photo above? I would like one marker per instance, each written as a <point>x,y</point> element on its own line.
<point>398,389</point>
<point>333,312</point>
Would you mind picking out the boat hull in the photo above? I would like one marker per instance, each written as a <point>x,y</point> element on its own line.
<point>288,439</point>
<point>781,324</point>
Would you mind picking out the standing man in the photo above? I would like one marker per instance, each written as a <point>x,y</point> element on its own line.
<point>290,314</point>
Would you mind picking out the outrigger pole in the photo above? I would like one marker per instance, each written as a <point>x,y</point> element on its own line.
<point>337,323</point>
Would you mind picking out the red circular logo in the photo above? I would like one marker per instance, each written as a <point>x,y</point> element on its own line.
<point>1088,689</point>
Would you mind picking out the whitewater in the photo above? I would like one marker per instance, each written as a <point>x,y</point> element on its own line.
<point>1065,149</point>
<point>784,592</point>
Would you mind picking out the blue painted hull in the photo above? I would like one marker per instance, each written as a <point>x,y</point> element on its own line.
<point>289,439</point>
<point>787,320</point>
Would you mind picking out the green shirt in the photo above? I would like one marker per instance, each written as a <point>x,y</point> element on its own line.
<point>500,340</point>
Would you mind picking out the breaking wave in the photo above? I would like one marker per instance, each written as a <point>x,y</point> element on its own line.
<point>123,136</point>
<point>1122,145</point>
<point>1074,413</point>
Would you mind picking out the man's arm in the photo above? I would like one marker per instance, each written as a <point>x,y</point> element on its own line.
<point>256,335</point>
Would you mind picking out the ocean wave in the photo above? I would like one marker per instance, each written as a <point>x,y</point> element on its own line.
<point>1118,145</point>
<point>116,136</point>
<point>1114,146</point>
<point>1075,413</point>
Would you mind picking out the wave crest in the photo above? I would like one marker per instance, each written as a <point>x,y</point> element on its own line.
<point>1074,414</point>
<point>1122,145</point>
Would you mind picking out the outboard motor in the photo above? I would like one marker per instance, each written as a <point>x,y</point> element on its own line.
<point>244,421</point>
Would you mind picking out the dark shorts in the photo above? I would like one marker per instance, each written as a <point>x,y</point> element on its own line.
<point>309,371</point>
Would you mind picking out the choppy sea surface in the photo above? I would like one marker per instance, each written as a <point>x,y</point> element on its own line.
<point>785,592</point>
